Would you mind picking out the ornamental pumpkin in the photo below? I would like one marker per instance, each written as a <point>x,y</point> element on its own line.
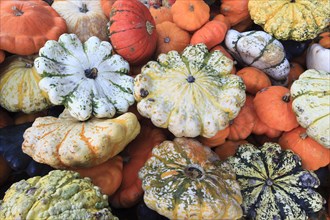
<point>132,31</point>
<point>311,95</point>
<point>313,155</point>
<point>273,184</point>
<point>218,139</point>
<point>295,71</point>
<point>261,50</point>
<point>171,37</point>
<point>161,14</point>
<point>58,195</point>
<point>228,148</point>
<point>64,142</point>
<point>254,79</point>
<point>287,19</point>
<point>260,128</point>
<point>235,11</point>
<point>318,57</point>
<point>324,39</point>
<point>26,25</point>
<point>87,78</point>
<point>273,106</point>
<point>84,18</point>
<point>106,6</point>
<point>19,86</point>
<point>185,180</point>
<point>135,155</point>
<point>172,92</point>
<point>190,15</point>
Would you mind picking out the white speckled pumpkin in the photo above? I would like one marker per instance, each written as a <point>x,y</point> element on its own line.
<point>84,18</point>
<point>291,19</point>
<point>185,180</point>
<point>192,93</point>
<point>318,57</point>
<point>88,79</point>
<point>311,103</point>
<point>19,87</point>
<point>260,50</point>
<point>66,142</point>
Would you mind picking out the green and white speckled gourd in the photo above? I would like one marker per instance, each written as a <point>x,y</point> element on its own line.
<point>260,50</point>
<point>192,93</point>
<point>185,180</point>
<point>88,79</point>
<point>273,183</point>
<point>311,104</point>
<point>318,57</point>
<point>58,195</point>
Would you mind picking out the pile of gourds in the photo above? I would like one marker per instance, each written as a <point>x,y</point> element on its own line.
<point>200,108</point>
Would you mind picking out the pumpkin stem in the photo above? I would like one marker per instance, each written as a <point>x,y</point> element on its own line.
<point>28,65</point>
<point>190,79</point>
<point>167,40</point>
<point>91,73</point>
<point>144,93</point>
<point>293,1</point>
<point>83,8</point>
<point>303,136</point>
<point>191,7</point>
<point>286,97</point>
<point>269,182</point>
<point>17,12</point>
<point>194,171</point>
<point>150,27</point>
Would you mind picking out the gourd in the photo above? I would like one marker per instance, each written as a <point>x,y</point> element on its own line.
<point>161,14</point>
<point>65,142</point>
<point>58,195</point>
<point>87,78</point>
<point>296,20</point>
<point>318,57</point>
<point>261,50</point>
<point>19,86</point>
<point>185,180</point>
<point>235,11</point>
<point>311,94</point>
<point>26,25</point>
<point>83,18</point>
<point>273,183</point>
<point>172,92</point>
<point>254,79</point>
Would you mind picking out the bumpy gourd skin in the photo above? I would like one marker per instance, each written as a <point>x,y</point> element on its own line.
<point>58,195</point>
<point>192,93</point>
<point>299,20</point>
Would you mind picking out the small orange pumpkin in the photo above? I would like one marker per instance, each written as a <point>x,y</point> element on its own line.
<point>254,79</point>
<point>295,71</point>
<point>222,18</point>
<point>235,11</point>
<point>261,128</point>
<point>161,14</point>
<point>106,6</point>
<point>5,118</point>
<point>190,15</point>
<point>273,106</point>
<point>313,155</point>
<point>325,39</point>
<point>228,148</point>
<point>216,140</point>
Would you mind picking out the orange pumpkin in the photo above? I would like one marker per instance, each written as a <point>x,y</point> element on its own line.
<point>5,119</point>
<point>2,56</point>
<point>313,155</point>
<point>273,106</point>
<point>4,170</point>
<point>216,140</point>
<point>211,33</point>
<point>171,37</point>
<point>325,39</point>
<point>106,6</point>
<point>26,25</point>
<point>190,15</point>
<point>254,79</point>
<point>161,14</point>
<point>241,127</point>
<point>222,18</point>
<point>261,128</point>
<point>107,176</point>
<point>135,155</point>
<point>295,71</point>
<point>235,11</point>
<point>228,148</point>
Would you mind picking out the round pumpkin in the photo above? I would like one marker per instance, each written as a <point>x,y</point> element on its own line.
<point>106,6</point>
<point>185,180</point>
<point>132,31</point>
<point>254,79</point>
<point>19,87</point>
<point>235,11</point>
<point>26,25</point>
<point>161,14</point>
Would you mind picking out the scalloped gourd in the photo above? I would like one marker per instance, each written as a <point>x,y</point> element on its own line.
<point>273,183</point>
<point>87,78</point>
<point>58,195</point>
<point>185,180</point>
<point>190,94</point>
<point>19,86</point>
<point>291,20</point>
<point>65,142</point>
<point>311,104</point>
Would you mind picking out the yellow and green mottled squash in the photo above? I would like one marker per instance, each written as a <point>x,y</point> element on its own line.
<point>291,19</point>
<point>58,195</point>
<point>273,183</point>
<point>19,87</point>
<point>185,180</point>
<point>65,142</point>
<point>311,104</point>
<point>192,93</point>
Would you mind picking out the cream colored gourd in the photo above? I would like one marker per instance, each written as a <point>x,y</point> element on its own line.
<point>66,142</point>
<point>311,103</point>
<point>318,57</point>
<point>192,93</point>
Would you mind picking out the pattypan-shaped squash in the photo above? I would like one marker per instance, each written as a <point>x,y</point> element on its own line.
<point>58,195</point>
<point>185,180</point>
<point>273,183</point>
<point>88,79</point>
<point>65,142</point>
<point>192,93</point>
<point>311,103</point>
<point>291,19</point>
